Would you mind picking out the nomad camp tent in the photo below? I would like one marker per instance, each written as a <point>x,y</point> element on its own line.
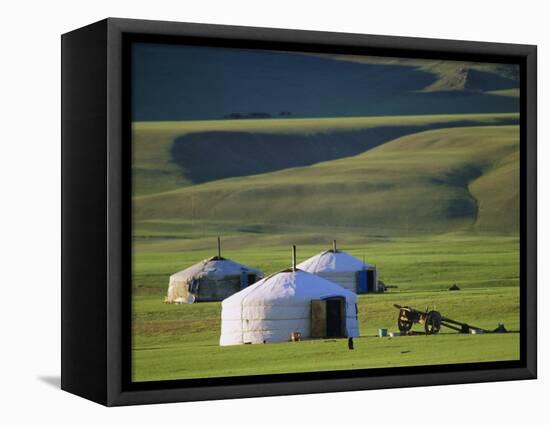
<point>343,269</point>
<point>285,303</point>
<point>212,279</point>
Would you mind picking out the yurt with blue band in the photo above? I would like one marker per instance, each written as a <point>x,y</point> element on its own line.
<point>343,269</point>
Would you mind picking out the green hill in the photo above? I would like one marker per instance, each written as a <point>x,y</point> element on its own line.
<point>171,155</point>
<point>433,181</point>
<point>451,75</point>
<point>173,82</point>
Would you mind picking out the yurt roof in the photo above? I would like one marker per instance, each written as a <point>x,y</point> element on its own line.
<point>215,267</point>
<point>288,287</point>
<point>330,261</point>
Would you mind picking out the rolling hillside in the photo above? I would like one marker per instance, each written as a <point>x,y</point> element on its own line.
<point>450,75</point>
<point>412,165</point>
<point>171,155</point>
<point>433,181</point>
<point>196,83</point>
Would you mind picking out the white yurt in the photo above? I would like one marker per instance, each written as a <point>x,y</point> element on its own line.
<point>285,303</point>
<point>344,269</point>
<point>212,279</point>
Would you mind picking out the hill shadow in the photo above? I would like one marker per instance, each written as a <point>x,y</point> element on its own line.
<point>173,83</point>
<point>214,155</point>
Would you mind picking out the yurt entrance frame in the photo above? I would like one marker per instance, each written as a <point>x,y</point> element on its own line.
<point>328,318</point>
<point>366,281</point>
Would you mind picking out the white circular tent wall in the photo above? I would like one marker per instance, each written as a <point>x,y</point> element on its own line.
<point>344,269</point>
<point>213,279</point>
<point>286,302</point>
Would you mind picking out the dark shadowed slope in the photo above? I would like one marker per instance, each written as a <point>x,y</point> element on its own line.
<point>203,158</point>
<point>216,155</point>
<point>173,82</point>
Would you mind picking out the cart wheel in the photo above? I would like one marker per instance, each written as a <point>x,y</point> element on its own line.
<point>403,324</point>
<point>433,322</point>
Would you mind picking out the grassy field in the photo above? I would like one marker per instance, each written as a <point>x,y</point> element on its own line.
<point>415,263</point>
<point>181,341</point>
<point>430,209</point>
<point>506,92</point>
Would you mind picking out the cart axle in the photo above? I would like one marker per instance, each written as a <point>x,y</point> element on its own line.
<point>432,321</point>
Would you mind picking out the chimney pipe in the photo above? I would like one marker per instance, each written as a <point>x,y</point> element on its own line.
<point>294,258</point>
<point>334,246</point>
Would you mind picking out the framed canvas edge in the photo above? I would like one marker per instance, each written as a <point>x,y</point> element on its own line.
<point>316,386</point>
<point>83,200</point>
<point>530,204</point>
<point>116,395</point>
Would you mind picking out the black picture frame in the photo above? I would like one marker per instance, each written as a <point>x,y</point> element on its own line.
<point>96,211</point>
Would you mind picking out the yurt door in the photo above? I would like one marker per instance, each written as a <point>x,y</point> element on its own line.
<point>371,280</point>
<point>327,318</point>
<point>361,281</point>
<point>335,314</point>
<point>318,318</point>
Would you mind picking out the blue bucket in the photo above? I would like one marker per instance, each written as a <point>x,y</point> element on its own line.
<point>382,332</point>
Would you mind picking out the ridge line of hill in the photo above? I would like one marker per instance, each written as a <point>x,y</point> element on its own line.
<point>428,181</point>
<point>244,143</point>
